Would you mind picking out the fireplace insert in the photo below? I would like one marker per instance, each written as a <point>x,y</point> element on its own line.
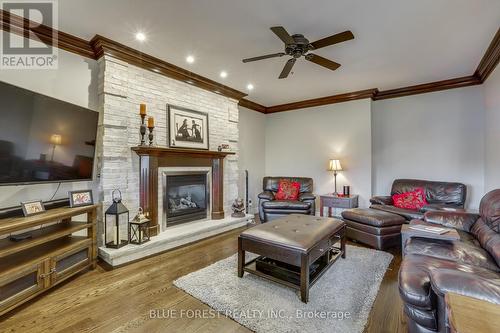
<point>185,198</point>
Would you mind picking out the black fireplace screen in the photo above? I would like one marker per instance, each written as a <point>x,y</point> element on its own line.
<point>186,198</point>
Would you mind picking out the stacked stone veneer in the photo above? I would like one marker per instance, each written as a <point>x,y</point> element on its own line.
<point>122,87</point>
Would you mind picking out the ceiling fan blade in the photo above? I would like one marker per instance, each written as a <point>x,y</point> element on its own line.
<point>322,61</point>
<point>283,35</point>
<point>264,57</point>
<point>288,68</point>
<point>338,38</point>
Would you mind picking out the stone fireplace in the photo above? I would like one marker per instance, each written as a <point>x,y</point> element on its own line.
<point>137,171</point>
<point>184,196</point>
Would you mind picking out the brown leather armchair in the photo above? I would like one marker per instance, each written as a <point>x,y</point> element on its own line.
<point>469,266</point>
<point>439,195</point>
<point>269,208</point>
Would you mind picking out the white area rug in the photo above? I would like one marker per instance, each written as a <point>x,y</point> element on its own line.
<point>340,301</point>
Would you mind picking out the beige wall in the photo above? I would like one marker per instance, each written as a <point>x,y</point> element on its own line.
<point>492,139</point>
<point>300,143</point>
<point>252,142</point>
<point>435,136</point>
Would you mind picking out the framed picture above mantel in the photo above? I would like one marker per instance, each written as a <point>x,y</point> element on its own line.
<point>187,128</point>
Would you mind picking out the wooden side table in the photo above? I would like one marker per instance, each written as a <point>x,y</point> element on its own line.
<point>471,315</point>
<point>332,201</point>
<point>407,232</point>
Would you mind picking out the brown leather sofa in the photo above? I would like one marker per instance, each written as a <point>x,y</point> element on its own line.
<point>380,225</point>
<point>269,208</point>
<point>439,195</point>
<point>469,266</point>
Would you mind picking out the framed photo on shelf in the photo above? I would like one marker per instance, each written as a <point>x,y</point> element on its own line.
<point>80,198</point>
<point>32,207</point>
<point>187,128</point>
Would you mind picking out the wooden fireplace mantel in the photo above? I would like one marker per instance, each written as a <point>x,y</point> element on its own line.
<point>152,158</point>
<point>159,151</point>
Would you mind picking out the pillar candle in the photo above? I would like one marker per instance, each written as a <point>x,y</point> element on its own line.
<point>151,122</point>
<point>115,239</point>
<point>143,110</point>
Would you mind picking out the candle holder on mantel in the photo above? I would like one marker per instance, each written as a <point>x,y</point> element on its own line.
<point>143,123</point>
<point>151,126</point>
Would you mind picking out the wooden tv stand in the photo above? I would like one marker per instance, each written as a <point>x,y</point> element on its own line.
<point>53,254</point>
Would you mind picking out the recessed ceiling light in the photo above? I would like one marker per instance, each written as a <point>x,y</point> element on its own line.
<point>223,74</point>
<point>189,59</point>
<point>250,86</point>
<point>140,36</point>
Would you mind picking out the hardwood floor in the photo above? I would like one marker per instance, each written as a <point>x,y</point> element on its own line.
<point>120,300</point>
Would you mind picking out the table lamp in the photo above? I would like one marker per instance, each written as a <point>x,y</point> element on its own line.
<point>334,165</point>
<point>55,140</point>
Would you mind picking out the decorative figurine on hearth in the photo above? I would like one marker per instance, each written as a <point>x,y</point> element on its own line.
<point>238,208</point>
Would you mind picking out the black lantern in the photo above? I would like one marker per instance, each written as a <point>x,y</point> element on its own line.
<point>115,222</point>
<point>138,229</point>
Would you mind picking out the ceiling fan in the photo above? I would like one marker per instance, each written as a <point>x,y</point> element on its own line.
<point>297,46</point>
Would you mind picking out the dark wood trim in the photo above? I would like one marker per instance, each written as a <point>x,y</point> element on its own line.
<point>376,95</point>
<point>252,105</point>
<point>99,46</point>
<point>105,46</point>
<point>158,151</point>
<point>490,59</point>
<point>428,87</point>
<point>17,25</point>
<point>369,93</point>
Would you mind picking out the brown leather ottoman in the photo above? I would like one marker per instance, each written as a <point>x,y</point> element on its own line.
<point>297,240</point>
<point>376,228</point>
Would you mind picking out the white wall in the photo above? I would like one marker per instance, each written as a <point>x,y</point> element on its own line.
<point>435,136</point>
<point>492,139</point>
<point>75,81</point>
<point>252,142</point>
<point>300,143</point>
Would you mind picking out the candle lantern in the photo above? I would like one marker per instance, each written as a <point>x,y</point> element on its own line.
<point>138,229</point>
<point>115,222</point>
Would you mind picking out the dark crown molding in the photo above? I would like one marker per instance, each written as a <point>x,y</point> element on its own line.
<point>490,59</point>
<point>323,101</point>
<point>427,87</point>
<point>28,29</point>
<point>99,46</point>
<point>252,105</point>
<point>105,46</point>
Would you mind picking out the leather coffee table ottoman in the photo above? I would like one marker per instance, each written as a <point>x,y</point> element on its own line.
<point>304,242</point>
<point>373,227</point>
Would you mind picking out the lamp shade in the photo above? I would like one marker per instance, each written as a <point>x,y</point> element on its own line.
<point>55,139</point>
<point>334,165</point>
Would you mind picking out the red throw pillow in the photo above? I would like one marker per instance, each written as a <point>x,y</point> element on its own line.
<point>287,190</point>
<point>413,200</point>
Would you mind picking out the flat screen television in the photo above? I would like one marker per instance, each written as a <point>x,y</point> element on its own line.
<point>43,139</point>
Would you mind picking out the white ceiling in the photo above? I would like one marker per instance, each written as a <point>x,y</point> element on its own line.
<point>397,42</point>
